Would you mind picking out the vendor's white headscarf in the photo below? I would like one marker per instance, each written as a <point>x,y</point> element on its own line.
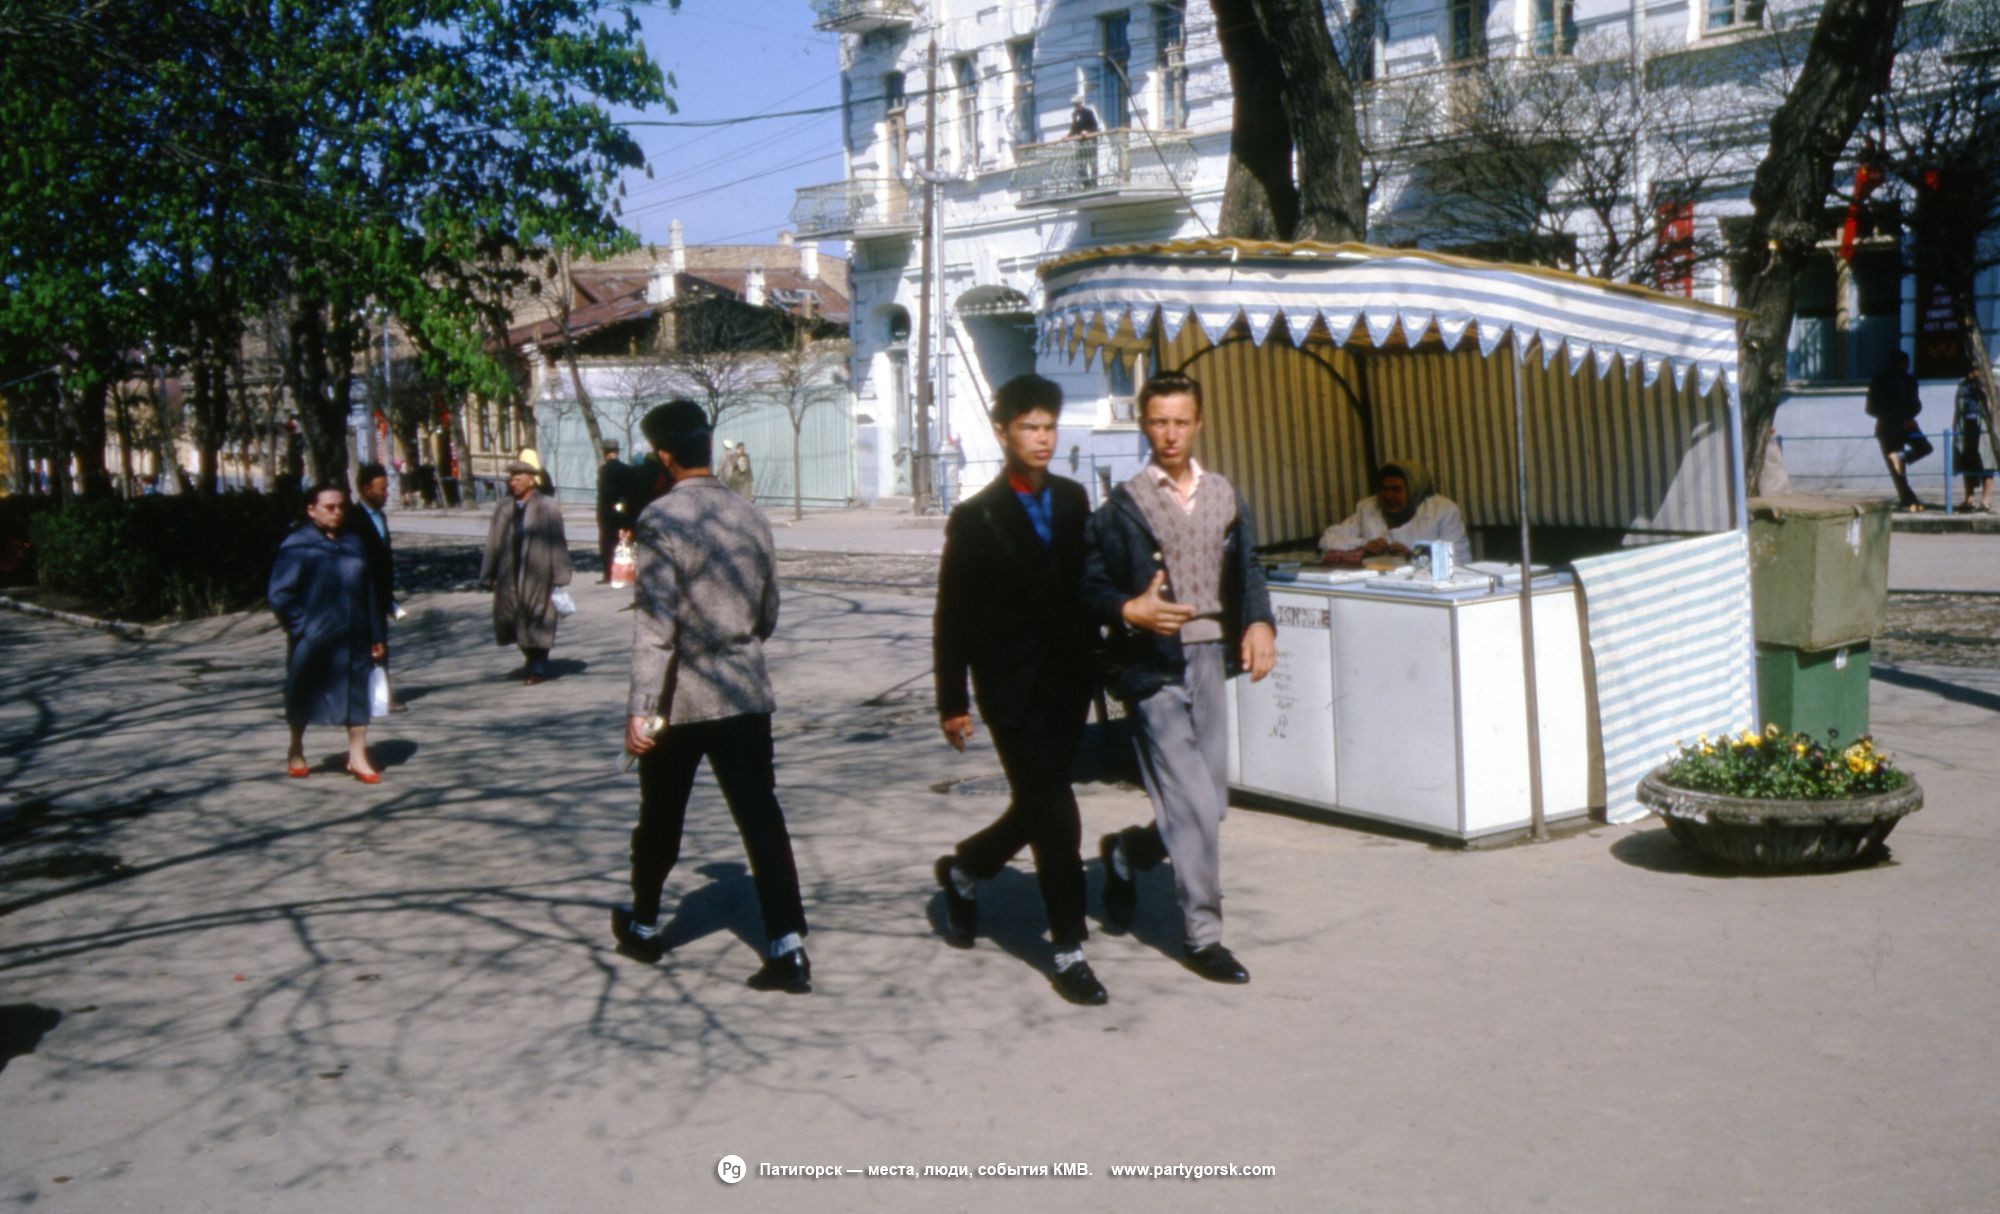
<point>1414,475</point>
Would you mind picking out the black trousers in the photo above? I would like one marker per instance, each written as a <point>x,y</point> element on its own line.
<point>738,750</point>
<point>1037,755</point>
<point>607,544</point>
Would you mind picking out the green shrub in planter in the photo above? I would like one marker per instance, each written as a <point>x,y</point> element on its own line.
<point>154,556</point>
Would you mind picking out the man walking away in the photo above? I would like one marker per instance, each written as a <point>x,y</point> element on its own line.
<point>1170,569</point>
<point>1007,610</point>
<point>706,601</point>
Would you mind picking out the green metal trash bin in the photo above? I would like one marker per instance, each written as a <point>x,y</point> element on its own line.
<point>1817,691</point>
<point>1819,590</point>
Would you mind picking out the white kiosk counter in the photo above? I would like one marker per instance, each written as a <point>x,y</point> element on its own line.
<point>1403,701</point>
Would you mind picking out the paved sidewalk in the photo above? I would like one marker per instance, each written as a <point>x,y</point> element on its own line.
<point>316,996</point>
<point>1956,563</point>
<point>867,529</point>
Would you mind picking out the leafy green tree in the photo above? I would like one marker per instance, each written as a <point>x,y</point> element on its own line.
<point>173,167</point>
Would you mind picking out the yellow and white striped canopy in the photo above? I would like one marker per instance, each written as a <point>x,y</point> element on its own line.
<point>1320,362</point>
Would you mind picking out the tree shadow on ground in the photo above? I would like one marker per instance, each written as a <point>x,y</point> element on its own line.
<point>444,935</point>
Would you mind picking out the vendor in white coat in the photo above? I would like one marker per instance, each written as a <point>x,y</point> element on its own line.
<point>1405,510</point>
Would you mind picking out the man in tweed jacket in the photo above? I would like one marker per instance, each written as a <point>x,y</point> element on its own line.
<point>706,601</point>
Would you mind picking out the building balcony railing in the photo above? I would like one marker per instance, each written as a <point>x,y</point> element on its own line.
<point>863,16</point>
<point>1099,170</point>
<point>858,209</point>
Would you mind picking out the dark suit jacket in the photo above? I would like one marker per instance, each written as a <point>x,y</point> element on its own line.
<point>1007,607</point>
<point>376,548</point>
<point>615,484</point>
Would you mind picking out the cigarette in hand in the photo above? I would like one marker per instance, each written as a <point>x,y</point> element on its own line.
<point>654,724</point>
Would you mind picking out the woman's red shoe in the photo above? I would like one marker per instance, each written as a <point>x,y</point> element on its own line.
<point>366,777</point>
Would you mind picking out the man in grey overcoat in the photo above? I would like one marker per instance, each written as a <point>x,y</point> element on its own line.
<point>527,557</point>
<point>705,603</point>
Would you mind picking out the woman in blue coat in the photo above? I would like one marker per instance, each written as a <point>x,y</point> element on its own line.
<point>321,594</point>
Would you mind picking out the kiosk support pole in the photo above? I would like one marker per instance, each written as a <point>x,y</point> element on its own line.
<point>1538,826</point>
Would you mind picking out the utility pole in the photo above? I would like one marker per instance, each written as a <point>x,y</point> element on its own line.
<point>920,459</point>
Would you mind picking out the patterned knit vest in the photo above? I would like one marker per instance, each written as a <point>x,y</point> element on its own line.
<point>1191,542</point>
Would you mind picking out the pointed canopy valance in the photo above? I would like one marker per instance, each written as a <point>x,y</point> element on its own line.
<point>1126,296</point>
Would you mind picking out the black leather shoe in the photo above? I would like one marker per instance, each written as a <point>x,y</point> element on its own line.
<point>791,973</point>
<point>1078,985</point>
<point>648,949</point>
<point>1121,894</point>
<point>961,914</point>
<point>1215,963</point>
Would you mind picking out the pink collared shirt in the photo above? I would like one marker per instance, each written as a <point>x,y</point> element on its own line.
<point>1182,498</point>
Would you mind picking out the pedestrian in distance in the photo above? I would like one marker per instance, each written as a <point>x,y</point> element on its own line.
<point>1171,573</point>
<point>1008,613</point>
<point>527,560</point>
<point>1970,409</point>
<point>368,520</point>
<point>735,471</point>
<point>1894,404</point>
<point>614,518</point>
<point>705,603</point>
<point>322,594</point>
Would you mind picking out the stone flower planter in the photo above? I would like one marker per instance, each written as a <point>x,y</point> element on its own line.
<point>1781,836</point>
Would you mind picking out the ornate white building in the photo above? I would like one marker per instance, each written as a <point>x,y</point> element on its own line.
<point>1012,189</point>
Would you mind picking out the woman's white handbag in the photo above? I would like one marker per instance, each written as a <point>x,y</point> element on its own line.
<point>378,691</point>
<point>559,599</point>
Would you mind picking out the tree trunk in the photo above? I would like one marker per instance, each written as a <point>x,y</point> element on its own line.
<point>798,470</point>
<point>208,412</point>
<point>123,412</point>
<point>461,454</point>
<point>1259,199</point>
<point>1846,65</point>
<point>320,390</point>
<point>583,401</point>
<point>1318,101</point>
<point>88,438</point>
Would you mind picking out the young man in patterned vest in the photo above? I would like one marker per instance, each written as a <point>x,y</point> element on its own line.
<point>1171,572</point>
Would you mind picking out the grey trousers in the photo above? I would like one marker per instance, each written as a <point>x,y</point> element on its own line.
<point>1183,744</point>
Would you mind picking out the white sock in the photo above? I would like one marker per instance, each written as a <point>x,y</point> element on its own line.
<point>1119,864</point>
<point>644,931</point>
<point>787,943</point>
<point>1065,960</point>
<point>966,885</point>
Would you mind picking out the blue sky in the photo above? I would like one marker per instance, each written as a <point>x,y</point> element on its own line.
<point>729,59</point>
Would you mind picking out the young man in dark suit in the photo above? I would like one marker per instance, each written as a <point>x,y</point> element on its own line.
<point>369,522</point>
<point>1007,611</point>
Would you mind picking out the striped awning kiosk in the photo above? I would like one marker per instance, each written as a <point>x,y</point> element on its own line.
<point>1538,398</point>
